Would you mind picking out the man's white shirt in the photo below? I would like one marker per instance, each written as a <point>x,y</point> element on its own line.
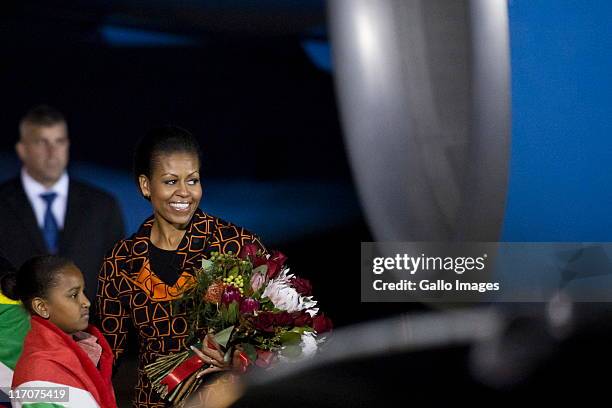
<point>34,189</point>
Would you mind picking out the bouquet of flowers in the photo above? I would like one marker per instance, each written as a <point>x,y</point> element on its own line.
<point>251,303</point>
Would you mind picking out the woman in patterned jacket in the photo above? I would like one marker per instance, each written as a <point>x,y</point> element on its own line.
<point>144,273</point>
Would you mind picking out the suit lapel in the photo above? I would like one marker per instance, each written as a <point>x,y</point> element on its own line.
<point>23,209</point>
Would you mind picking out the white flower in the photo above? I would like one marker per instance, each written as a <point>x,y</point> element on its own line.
<point>308,347</point>
<point>309,344</point>
<point>285,297</point>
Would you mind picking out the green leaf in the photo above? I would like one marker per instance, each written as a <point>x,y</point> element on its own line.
<point>261,269</point>
<point>301,330</point>
<point>292,351</point>
<point>232,312</point>
<point>266,304</point>
<point>290,337</point>
<point>206,264</point>
<point>249,350</point>
<point>223,313</point>
<point>224,335</point>
<point>229,354</point>
<point>234,271</point>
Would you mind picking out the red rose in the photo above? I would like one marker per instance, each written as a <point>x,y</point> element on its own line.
<point>283,319</point>
<point>248,251</point>
<point>264,322</point>
<point>258,261</point>
<point>302,286</point>
<point>275,263</point>
<point>273,269</point>
<point>278,257</point>
<point>301,319</point>
<point>321,324</point>
<point>269,321</point>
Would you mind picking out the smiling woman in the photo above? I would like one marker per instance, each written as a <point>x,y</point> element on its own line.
<point>175,192</point>
<point>144,273</point>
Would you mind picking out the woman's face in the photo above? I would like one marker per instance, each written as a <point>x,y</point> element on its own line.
<point>174,188</point>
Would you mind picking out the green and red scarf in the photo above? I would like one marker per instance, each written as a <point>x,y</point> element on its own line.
<point>51,358</point>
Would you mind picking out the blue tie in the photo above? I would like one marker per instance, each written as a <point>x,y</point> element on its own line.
<point>50,229</point>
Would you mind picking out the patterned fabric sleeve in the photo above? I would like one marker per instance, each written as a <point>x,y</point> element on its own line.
<point>229,237</point>
<point>113,313</point>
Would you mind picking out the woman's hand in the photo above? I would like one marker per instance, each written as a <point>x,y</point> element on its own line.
<point>211,354</point>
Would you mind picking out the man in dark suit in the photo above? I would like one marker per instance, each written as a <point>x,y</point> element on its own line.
<point>43,210</point>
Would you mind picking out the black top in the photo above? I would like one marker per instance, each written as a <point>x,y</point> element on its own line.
<point>165,264</point>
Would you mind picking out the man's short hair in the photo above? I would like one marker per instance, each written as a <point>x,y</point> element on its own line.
<point>42,115</point>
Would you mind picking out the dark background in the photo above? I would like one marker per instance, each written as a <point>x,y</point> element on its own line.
<point>243,79</point>
<point>253,81</point>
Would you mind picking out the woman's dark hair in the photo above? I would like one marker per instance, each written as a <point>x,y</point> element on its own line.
<point>160,141</point>
<point>34,278</point>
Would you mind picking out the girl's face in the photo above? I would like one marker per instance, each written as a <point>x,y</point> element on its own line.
<point>66,305</point>
<point>174,188</point>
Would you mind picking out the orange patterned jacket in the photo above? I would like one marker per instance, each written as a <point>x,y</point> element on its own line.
<point>131,296</point>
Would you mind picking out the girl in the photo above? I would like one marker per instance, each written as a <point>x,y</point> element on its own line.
<point>62,352</point>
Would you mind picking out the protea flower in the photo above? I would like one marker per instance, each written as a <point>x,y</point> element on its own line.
<point>285,297</point>
<point>257,280</point>
<point>214,292</point>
